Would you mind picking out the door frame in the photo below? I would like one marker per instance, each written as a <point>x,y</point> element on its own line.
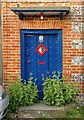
<point>23,32</point>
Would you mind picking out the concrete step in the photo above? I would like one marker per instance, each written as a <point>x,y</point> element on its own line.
<point>41,110</point>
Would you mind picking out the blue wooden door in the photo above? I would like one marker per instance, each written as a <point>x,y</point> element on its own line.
<point>42,55</point>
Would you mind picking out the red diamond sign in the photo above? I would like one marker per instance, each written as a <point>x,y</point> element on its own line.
<point>41,49</point>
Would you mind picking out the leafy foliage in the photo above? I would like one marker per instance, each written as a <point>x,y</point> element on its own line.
<point>57,93</point>
<point>77,112</point>
<point>21,94</point>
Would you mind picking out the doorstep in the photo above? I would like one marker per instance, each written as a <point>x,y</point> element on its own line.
<point>41,110</point>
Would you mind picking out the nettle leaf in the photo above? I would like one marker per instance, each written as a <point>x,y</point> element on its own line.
<point>56,92</point>
<point>21,95</point>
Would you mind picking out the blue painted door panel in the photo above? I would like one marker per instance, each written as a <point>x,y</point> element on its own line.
<point>42,68</point>
<point>30,57</point>
<point>51,59</point>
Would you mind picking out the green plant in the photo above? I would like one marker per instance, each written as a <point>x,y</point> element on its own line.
<point>21,94</point>
<point>56,92</point>
<point>77,112</point>
<point>30,93</point>
<point>69,92</point>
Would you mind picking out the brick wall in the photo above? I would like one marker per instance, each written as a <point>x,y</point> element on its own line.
<point>0,49</point>
<point>72,41</point>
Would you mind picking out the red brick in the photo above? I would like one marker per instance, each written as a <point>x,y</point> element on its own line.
<point>11,38</point>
